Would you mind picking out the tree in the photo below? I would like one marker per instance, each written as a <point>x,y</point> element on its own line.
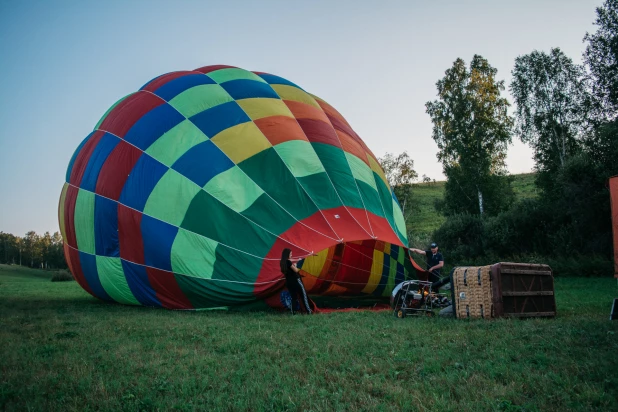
<point>551,108</point>
<point>472,129</point>
<point>601,57</point>
<point>399,170</point>
<point>400,174</point>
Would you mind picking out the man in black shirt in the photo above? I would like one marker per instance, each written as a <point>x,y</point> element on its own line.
<point>435,261</point>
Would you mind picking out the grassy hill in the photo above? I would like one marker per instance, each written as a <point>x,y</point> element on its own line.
<point>424,219</point>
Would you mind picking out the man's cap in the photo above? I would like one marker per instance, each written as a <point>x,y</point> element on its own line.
<point>434,245</point>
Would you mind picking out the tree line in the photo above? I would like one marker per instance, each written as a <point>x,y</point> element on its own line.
<point>33,250</point>
<point>568,114</point>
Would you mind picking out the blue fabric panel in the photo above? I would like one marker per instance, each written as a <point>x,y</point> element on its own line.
<point>137,279</point>
<point>89,267</point>
<point>173,88</point>
<point>141,181</point>
<point>100,153</point>
<point>106,227</point>
<point>385,273</point>
<point>158,238</point>
<point>219,118</point>
<point>79,149</point>
<point>394,251</point>
<point>396,200</point>
<point>202,162</point>
<point>400,276</point>
<point>244,89</point>
<point>272,79</point>
<point>153,125</point>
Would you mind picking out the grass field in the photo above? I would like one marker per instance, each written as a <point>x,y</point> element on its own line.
<point>64,350</point>
<point>424,218</point>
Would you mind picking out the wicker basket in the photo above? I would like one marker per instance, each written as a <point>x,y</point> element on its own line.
<point>472,292</point>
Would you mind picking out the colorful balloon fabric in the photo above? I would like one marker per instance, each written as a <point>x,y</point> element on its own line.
<point>188,190</point>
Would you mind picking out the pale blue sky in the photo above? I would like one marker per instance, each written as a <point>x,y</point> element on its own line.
<point>63,63</point>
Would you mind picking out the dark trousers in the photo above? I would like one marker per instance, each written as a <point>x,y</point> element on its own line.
<point>297,289</point>
<point>437,284</point>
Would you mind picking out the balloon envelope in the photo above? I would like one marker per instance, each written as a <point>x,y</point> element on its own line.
<point>187,191</point>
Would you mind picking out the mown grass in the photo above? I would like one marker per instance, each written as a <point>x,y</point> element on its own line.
<point>64,350</point>
<point>424,219</point>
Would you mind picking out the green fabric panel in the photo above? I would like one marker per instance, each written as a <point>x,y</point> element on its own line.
<point>300,158</point>
<point>234,189</point>
<point>209,217</point>
<point>360,170</point>
<point>390,284</point>
<point>173,144</point>
<point>110,109</point>
<point>84,221</point>
<point>113,280</point>
<point>285,189</point>
<point>336,166</point>
<point>207,293</point>
<point>199,98</point>
<point>193,255</point>
<point>225,75</point>
<point>171,198</point>
<point>401,257</point>
<point>371,198</point>
<point>238,267</point>
<point>400,222</point>
<point>386,198</point>
<point>321,190</point>
<point>266,213</point>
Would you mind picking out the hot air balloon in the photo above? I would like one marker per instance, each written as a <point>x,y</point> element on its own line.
<point>186,192</point>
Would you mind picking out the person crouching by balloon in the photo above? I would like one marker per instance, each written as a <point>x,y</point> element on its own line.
<point>293,281</point>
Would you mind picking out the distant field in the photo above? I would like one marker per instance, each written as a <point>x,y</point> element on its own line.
<point>424,218</point>
<point>63,350</point>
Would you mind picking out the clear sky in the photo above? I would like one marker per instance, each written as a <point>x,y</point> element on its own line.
<point>63,63</point>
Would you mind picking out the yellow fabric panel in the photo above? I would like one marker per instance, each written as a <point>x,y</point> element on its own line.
<point>241,141</point>
<point>387,248</point>
<point>258,108</point>
<point>314,264</point>
<point>294,93</point>
<point>376,168</point>
<point>63,197</point>
<point>376,272</point>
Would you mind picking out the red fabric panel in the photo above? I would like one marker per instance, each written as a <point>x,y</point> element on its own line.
<point>129,111</point>
<point>81,161</point>
<point>341,126</point>
<point>613,191</point>
<point>168,292</point>
<point>161,80</point>
<point>208,69</point>
<point>331,112</point>
<point>351,146</point>
<point>345,226</point>
<point>76,270</point>
<point>319,132</point>
<point>130,235</point>
<point>279,129</point>
<point>69,215</point>
<point>305,111</point>
<point>356,267</point>
<point>116,169</point>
